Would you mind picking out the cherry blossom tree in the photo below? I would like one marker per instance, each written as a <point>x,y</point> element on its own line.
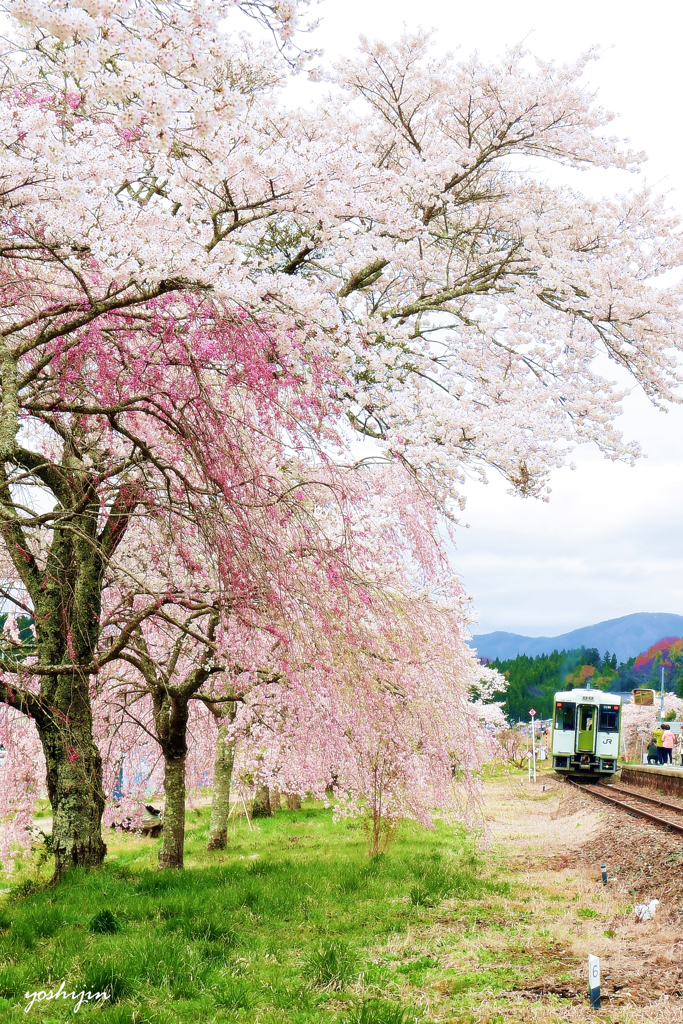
<point>189,650</point>
<point>638,722</point>
<point>22,768</point>
<point>338,672</point>
<point>117,473</point>
<point>467,296</point>
<point>171,679</point>
<point>388,727</point>
<point>375,701</point>
<point>392,257</point>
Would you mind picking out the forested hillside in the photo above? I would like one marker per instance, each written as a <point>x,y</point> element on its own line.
<point>533,681</point>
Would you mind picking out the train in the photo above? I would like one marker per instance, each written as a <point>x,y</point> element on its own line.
<point>586,733</point>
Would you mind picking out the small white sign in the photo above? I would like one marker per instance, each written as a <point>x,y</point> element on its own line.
<point>532,712</point>
<point>593,971</point>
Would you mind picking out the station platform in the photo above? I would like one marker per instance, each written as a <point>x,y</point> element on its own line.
<point>662,778</point>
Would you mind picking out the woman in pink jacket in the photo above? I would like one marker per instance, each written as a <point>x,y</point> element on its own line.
<point>668,743</point>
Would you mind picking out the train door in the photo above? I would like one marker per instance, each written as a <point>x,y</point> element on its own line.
<point>586,728</point>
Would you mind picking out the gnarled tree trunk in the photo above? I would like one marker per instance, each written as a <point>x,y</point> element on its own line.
<point>74,779</point>
<point>67,622</point>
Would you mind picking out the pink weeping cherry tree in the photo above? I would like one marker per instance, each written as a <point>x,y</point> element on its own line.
<point>380,713</point>
<point>22,770</point>
<point>187,650</point>
<point>389,729</point>
<point>359,660</point>
<point>377,701</point>
<point>181,424</point>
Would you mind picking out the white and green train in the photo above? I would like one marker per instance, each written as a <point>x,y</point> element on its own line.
<point>586,732</point>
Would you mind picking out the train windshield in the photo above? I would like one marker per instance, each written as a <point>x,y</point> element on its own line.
<point>609,718</point>
<point>565,716</point>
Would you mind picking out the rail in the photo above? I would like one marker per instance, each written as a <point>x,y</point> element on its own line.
<point>614,787</point>
<point>601,792</point>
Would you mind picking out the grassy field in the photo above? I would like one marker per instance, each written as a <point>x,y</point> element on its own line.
<point>293,923</point>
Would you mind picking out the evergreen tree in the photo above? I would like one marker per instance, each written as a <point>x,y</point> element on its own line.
<point>534,681</point>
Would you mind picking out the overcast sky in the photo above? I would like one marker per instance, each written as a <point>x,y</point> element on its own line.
<point>609,542</point>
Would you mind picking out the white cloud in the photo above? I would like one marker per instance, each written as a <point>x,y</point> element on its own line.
<point>608,543</point>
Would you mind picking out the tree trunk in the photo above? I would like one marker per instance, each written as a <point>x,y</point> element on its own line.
<point>222,778</point>
<point>74,785</point>
<point>171,853</point>
<point>74,773</point>
<point>171,715</point>
<point>275,801</point>
<point>261,806</point>
<point>293,802</point>
<point>67,616</point>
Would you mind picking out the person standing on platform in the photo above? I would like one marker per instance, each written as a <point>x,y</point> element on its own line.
<point>668,741</point>
<point>657,734</point>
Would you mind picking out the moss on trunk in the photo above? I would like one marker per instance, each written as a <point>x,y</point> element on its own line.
<point>172,848</point>
<point>74,775</point>
<point>222,779</point>
<point>67,596</point>
<point>261,806</point>
<point>74,780</point>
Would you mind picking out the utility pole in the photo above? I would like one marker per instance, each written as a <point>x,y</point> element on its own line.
<point>661,700</point>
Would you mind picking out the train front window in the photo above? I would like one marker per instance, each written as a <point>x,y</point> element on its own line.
<point>565,716</point>
<point>609,718</point>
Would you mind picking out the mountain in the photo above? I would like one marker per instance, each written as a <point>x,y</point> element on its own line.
<point>626,637</point>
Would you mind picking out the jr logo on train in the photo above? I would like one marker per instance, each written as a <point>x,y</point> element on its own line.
<point>586,733</point>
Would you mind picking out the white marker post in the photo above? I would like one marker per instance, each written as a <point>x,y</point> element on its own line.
<point>594,980</point>
<point>532,714</point>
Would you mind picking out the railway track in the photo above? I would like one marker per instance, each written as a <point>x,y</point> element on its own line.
<point>606,793</point>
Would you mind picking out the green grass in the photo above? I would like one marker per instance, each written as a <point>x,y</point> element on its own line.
<point>266,932</point>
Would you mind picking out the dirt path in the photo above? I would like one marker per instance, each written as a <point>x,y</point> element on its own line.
<point>557,838</point>
<point>529,819</point>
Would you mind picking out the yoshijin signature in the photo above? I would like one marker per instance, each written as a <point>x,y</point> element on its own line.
<point>45,996</point>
